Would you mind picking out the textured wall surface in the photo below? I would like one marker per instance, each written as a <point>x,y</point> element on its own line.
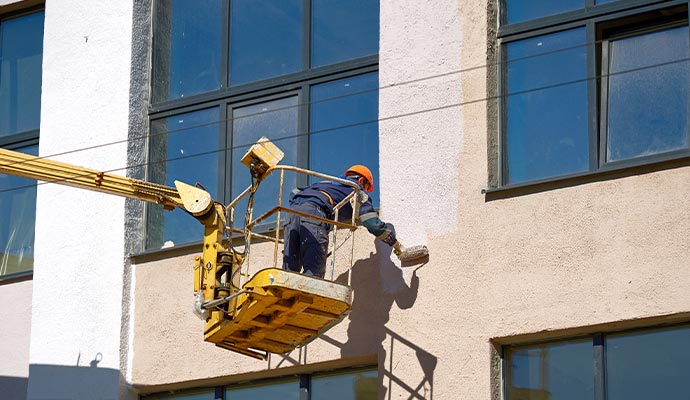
<point>596,256</point>
<point>78,277</point>
<point>15,317</point>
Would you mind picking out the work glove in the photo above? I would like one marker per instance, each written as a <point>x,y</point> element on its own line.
<point>294,192</point>
<point>388,237</point>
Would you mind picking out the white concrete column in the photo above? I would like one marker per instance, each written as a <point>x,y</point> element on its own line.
<point>78,276</point>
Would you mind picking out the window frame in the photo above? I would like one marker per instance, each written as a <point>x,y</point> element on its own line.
<point>231,97</point>
<point>592,17</point>
<point>19,140</point>
<point>598,340</point>
<point>603,98</point>
<point>303,378</point>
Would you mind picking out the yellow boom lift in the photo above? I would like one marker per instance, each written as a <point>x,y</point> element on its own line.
<point>271,311</point>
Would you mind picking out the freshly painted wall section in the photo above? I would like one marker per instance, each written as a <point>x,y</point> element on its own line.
<point>78,277</point>
<point>421,130</point>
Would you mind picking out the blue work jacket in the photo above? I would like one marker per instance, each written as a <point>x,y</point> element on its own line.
<point>329,193</point>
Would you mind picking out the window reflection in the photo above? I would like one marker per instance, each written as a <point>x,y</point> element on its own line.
<point>18,217</point>
<point>21,55</point>
<point>546,107</point>
<point>286,390</point>
<point>648,95</point>
<point>562,371</point>
<point>343,30</point>
<point>344,126</point>
<point>184,147</point>
<point>358,386</point>
<point>187,48</point>
<point>523,10</point>
<point>265,39</point>
<point>648,365</point>
<point>277,120</point>
<point>189,395</point>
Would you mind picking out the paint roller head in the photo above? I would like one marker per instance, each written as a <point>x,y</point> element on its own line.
<point>413,253</point>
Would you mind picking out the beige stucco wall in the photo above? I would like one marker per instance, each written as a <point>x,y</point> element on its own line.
<point>574,259</point>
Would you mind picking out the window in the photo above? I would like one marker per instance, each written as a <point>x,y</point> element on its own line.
<point>285,390</point>
<point>645,364</point>
<point>190,395</point>
<point>21,54</point>
<point>589,86</point>
<point>359,384</point>
<point>304,73</point>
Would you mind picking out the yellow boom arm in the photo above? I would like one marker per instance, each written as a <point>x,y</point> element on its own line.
<point>191,199</point>
<point>28,166</point>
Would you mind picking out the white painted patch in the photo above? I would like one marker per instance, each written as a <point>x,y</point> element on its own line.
<point>419,148</point>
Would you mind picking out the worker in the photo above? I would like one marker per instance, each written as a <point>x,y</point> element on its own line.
<point>306,239</point>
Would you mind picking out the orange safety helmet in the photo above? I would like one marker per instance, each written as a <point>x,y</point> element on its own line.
<point>364,172</point>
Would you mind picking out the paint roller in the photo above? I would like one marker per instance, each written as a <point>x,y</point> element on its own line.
<point>409,254</point>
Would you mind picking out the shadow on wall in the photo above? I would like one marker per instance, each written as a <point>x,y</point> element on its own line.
<point>378,284</point>
<point>376,290</point>
<point>72,382</point>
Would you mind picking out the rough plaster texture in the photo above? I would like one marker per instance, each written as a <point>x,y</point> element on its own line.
<point>136,153</point>
<point>78,276</point>
<point>420,48</point>
<point>15,316</point>
<point>594,257</point>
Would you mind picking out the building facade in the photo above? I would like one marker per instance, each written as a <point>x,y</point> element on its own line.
<point>540,149</point>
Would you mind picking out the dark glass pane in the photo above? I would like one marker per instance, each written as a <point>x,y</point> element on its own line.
<point>344,127</point>
<point>17,221</point>
<point>650,365</point>
<point>648,94</point>
<point>21,60</point>
<point>563,371</point>
<point>184,147</point>
<point>523,10</point>
<point>343,30</point>
<point>265,39</point>
<point>604,1</point>
<point>546,107</point>
<point>186,48</point>
<point>277,120</point>
<point>190,395</point>
<point>287,390</point>
<point>352,386</point>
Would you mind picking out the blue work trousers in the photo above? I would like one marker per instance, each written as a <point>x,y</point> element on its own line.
<point>306,241</point>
